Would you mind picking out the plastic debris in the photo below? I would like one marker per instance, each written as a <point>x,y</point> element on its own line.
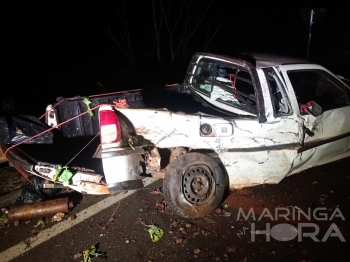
<point>17,129</point>
<point>35,192</point>
<point>156,233</point>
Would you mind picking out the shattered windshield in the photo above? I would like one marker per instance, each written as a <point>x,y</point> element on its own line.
<point>226,86</point>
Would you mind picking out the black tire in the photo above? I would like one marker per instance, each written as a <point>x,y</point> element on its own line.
<point>194,185</point>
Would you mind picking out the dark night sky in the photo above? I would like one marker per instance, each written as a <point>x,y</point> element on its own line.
<point>54,47</point>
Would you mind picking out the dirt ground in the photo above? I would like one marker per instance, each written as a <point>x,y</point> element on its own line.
<point>224,235</point>
<point>10,179</point>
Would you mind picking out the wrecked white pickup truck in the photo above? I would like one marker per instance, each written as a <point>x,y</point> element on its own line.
<point>231,124</point>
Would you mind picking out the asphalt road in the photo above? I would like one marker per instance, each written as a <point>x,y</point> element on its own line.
<point>119,225</point>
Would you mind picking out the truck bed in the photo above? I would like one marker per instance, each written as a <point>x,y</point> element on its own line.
<point>171,98</point>
<point>77,141</point>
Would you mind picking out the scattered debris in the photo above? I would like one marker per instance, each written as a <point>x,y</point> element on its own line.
<point>161,206</point>
<point>218,210</point>
<point>77,255</point>
<point>315,183</point>
<point>33,191</point>
<point>188,224</point>
<point>58,217</point>
<point>174,223</point>
<point>226,206</point>
<point>156,233</point>
<point>197,251</point>
<point>91,253</point>
<point>40,223</point>
<point>231,249</point>
<point>179,240</point>
<point>39,209</point>
<point>63,174</point>
<point>157,191</point>
<point>3,220</point>
<point>225,213</point>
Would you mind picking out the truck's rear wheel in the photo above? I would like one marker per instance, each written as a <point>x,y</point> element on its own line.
<point>194,185</point>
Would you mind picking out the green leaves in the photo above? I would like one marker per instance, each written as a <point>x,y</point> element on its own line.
<point>40,223</point>
<point>156,233</point>
<point>89,254</point>
<point>87,102</point>
<point>64,174</point>
<point>131,143</point>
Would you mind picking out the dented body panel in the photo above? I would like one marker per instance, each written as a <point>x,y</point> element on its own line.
<point>254,148</point>
<point>256,120</point>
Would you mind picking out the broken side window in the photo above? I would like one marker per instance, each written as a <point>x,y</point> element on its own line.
<point>226,86</point>
<point>318,86</point>
<point>279,98</point>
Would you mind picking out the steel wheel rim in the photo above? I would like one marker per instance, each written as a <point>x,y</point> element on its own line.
<point>198,185</point>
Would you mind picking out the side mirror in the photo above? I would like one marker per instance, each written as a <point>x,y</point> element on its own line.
<point>315,109</point>
<point>311,108</point>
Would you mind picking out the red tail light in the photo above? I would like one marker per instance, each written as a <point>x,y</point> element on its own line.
<point>109,126</point>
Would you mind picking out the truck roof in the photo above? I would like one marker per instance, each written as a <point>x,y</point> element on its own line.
<point>266,60</point>
<point>259,60</point>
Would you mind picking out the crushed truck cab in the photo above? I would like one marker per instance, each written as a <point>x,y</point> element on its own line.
<point>231,124</point>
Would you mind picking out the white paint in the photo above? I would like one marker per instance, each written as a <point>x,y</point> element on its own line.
<point>59,228</point>
<point>121,168</point>
<point>253,153</point>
